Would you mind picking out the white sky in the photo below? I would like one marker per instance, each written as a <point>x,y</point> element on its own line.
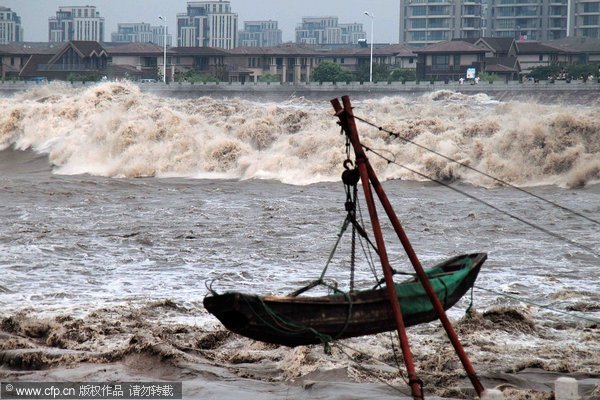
<point>35,13</point>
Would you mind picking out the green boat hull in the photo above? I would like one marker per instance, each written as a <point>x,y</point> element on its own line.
<point>303,320</point>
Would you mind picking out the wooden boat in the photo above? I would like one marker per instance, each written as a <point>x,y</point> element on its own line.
<point>302,320</point>
<point>294,321</point>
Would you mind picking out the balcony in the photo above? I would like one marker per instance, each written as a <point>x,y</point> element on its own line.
<point>444,68</point>
<point>439,26</point>
<point>517,3</point>
<point>68,67</point>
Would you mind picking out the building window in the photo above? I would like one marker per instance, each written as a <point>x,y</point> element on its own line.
<point>457,60</point>
<point>419,11</point>
<point>440,60</point>
<point>418,35</point>
<point>591,7</point>
<point>590,20</point>
<point>438,35</point>
<point>541,57</point>
<point>419,23</point>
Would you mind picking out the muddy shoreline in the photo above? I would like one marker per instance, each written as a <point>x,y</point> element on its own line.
<point>131,343</point>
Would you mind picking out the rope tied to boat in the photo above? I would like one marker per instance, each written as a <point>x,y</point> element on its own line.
<point>284,326</point>
<point>350,178</point>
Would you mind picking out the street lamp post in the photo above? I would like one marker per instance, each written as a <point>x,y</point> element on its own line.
<point>370,14</point>
<point>164,48</point>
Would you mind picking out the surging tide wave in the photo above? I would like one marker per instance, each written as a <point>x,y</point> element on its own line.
<point>114,130</point>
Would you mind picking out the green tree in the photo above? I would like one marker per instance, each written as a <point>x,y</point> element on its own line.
<point>195,76</point>
<point>488,77</point>
<point>577,70</point>
<point>381,73</point>
<point>328,71</point>
<point>403,74</point>
<point>269,78</point>
<point>543,72</point>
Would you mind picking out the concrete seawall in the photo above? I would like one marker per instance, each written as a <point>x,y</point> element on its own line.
<point>576,92</point>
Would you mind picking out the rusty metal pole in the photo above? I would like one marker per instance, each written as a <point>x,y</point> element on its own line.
<point>347,121</point>
<point>419,269</point>
<point>437,305</point>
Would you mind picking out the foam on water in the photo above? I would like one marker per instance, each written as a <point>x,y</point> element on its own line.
<point>104,277</point>
<point>114,130</point>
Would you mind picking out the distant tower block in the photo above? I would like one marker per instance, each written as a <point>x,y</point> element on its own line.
<point>566,389</point>
<point>492,394</point>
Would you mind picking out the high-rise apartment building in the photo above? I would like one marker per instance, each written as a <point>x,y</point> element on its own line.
<point>76,23</point>
<point>528,19</point>
<point>10,26</point>
<point>584,18</point>
<point>424,22</point>
<point>327,30</point>
<point>141,33</point>
<point>260,34</point>
<point>207,24</point>
<point>428,21</point>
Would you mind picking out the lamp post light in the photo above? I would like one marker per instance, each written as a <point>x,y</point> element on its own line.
<point>164,48</point>
<point>370,14</point>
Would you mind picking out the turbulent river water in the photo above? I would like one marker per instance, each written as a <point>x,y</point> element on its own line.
<point>118,207</point>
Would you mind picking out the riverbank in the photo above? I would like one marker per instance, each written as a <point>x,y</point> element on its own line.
<point>576,92</point>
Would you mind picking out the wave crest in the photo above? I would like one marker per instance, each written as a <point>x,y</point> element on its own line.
<point>114,129</point>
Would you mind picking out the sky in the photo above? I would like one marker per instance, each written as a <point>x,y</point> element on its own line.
<point>35,13</point>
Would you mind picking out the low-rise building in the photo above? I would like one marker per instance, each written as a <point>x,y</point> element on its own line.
<point>535,54</point>
<point>497,47</point>
<point>449,60</point>
<point>137,61</point>
<point>75,58</point>
<point>203,60</point>
<point>14,56</point>
<point>290,62</point>
<point>578,50</point>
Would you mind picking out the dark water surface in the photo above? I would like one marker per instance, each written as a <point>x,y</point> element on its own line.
<point>107,242</point>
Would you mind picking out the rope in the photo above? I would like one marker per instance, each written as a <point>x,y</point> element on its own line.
<point>531,224</point>
<point>595,320</point>
<point>288,327</point>
<point>366,249</point>
<point>503,182</point>
<point>283,326</point>
<point>468,310</point>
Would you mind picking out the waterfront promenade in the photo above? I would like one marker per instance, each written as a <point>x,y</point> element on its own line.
<point>575,91</point>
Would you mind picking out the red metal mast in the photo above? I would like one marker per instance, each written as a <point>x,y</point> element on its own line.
<point>368,178</point>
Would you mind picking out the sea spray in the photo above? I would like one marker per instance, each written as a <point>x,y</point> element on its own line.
<point>115,130</point>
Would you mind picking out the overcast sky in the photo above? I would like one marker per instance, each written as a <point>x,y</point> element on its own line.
<point>35,13</point>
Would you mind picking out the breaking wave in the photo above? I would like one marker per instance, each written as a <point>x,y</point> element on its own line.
<point>115,130</point>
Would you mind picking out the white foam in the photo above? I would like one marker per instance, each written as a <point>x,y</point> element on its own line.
<point>113,129</point>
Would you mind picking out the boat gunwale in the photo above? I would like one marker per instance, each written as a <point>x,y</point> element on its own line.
<point>363,296</point>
